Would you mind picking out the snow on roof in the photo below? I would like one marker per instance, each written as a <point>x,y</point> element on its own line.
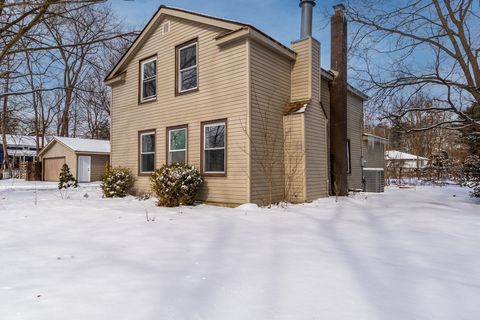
<point>19,140</point>
<point>374,137</point>
<point>85,145</point>
<point>20,153</point>
<point>398,155</point>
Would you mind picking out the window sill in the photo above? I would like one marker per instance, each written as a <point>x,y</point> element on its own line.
<point>145,174</point>
<point>181,93</point>
<point>147,101</point>
<point>213,174</point>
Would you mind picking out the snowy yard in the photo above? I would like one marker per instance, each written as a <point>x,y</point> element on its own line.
<point>405,254</point>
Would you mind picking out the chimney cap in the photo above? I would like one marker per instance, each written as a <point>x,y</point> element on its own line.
<point>312,2</point>
<point>339,7</point>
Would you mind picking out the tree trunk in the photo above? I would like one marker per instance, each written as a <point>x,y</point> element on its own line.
<point>6,162</point>
<point>65,114</point>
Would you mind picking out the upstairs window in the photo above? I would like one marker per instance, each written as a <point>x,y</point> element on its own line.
<point>214,151</point>
<point>147,152</point>
<point>187,66</point>
<point>349,158</point>
<point>148,76</point>
<point>177,145</point>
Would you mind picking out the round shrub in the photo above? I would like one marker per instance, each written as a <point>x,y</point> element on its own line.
<point>176,184</point>
<point>117,182</point>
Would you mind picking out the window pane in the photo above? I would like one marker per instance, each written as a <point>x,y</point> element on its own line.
<point>214,160</point>
<point>149,88</point>
<point>188,79</point>
<point>148,143</point>
<point>149,69</point>
<point>215,136</point>
<point>177,157</point>
<point>148,162</point>
<point>178,139</point>
<point>188,57</point>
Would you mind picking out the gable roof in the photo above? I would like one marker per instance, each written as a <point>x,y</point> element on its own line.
<point>19,140</point>
<point>233,30</point>
<point>373,137</point>
<point>229,25</point>
<point>398,155</point>
<point>81,145</point>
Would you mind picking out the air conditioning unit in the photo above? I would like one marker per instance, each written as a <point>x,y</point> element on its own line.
<point>374,179</point>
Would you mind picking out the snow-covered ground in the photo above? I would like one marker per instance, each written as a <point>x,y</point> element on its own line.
<point>405,254</point>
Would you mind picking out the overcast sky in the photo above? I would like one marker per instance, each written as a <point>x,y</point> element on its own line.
<point>278,18</point>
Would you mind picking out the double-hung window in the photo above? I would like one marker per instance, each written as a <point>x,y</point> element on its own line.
<point>148,78</point>
<point>147,152</point>
<point>214,147</point>
<point>187,60</point>
<point>177,145</point>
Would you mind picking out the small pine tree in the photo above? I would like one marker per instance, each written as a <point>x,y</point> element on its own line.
<point>67,180</point>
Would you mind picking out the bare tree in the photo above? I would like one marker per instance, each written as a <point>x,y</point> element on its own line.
<point>84,26</point>
<point>78,37</point>
<point>401,48</point>
<point>5,115</point>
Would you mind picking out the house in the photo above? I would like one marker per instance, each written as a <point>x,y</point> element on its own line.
<point>20,149</point>
<point>405,160</point>
<point>261,121</point>
<point>373,162</point>
<point>86,158</point>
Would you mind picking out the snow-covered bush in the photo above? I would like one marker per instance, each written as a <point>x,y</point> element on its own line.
<point>176,184</point>
<point>117,182</point>
<point>471,172</point>
<point>66,179</point>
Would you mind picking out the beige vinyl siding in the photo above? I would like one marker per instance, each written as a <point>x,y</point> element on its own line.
<point>355,134</point>
<point>59,150</point>
<point>316,142</point>
<point>325,100</point>
<point>269,95</point>
<point>294,157</point>
<point>97,165</point>
<point>222,94</point>
<point>374,153</point>
<point>325,95</point>
<point>301,75</point>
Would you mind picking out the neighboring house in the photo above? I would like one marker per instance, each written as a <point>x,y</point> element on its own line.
<point>262,122</point>
<point>405,160</point>
<point>20,149</point>
<point>86,158</point>
<point>374,162</point>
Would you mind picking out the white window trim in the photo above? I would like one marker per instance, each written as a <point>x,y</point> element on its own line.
<point>145,153</point>
<point>216,148</point>
<point>142,99</point>
<point>186,69</point>
<point>178,150</point>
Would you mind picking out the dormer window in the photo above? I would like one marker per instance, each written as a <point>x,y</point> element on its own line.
<point>148,77</point>
<point>187,67</point>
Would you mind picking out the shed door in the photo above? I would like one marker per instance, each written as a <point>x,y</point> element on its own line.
<point>52,168</point>
<point>84,164</point>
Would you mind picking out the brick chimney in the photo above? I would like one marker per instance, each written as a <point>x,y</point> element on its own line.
<point>338,102</point>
